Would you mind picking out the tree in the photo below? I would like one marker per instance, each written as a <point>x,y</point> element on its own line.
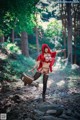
<point>24,11</point>
<point>63,18</point>
<point>69,27</point>
<point>37,37</point>
<point>24,44</point>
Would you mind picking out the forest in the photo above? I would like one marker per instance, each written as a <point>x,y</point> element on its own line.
<point>25,25</point>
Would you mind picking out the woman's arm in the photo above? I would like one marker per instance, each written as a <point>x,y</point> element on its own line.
<point>37,63</point>
<point>59,51</point>
<point>35,66</point>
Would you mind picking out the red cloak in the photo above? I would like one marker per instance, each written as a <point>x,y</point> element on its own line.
<point>41,57</point>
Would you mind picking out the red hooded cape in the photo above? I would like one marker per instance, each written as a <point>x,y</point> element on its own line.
<point>42,59</point>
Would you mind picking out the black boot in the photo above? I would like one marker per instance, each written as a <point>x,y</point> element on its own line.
<point>43,97</point>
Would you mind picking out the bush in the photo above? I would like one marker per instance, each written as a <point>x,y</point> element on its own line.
<point>11,47</point>
<point>13,68</point>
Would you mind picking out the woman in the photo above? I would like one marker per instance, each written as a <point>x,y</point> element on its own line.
<point>44,63</point>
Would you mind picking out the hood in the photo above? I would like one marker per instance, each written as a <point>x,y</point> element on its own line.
<point>45,46</point>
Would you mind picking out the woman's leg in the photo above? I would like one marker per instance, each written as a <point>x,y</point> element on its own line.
<point>37,75</point>
<point>45,78</point>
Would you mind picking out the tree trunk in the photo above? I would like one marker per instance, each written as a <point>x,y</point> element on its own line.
<point>69,26</point>
<point>64,37</point>
<point>24,44</point>
<point>74,37</point>
<point>12,35</point>
<point>37,41</point>
<point>63,17</point>
<point>2,39</point>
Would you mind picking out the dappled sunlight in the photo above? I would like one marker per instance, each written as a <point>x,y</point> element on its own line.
<point>50,82</point>
<point>61,83</point>
<point>3,56</point>
<point>40,85</point>
<point>59,64</point>
<point>74,90</point>
<point>13,47</point>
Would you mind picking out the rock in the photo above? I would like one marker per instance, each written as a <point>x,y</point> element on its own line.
<point>13,114</point>
<point>8,104</point>
<point>49,118</point>
<point>45,107</point>
<point>65,117</point>
<point>8,109</point>
<point>5,86</point>
<point>16,98</point>
<point>74,66</point>
<point>25,115</point>
<point>18,88</point>
<point>77,115</point>
<point>2,108</point>
<point>27,119</point>
<point>68,112</point>
<point>36,84</point>
<point>38,112</point>
<point>51,112</point>
<point>55,112</point>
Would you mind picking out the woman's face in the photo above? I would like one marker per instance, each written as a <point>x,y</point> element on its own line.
<point>46,50</point>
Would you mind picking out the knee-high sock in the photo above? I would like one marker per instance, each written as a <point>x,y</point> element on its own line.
<point>45,78</point>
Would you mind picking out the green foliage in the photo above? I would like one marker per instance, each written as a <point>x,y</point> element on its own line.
<point>13,68</point>
<point>78,49</point>
<point>9,22</point>
<point>17,15</point>
<point>53,34</point>
<point>1,33</point>
<point>11,47</point>
<point>18,6</point>
<point>54,28</point>
<point>26,23</point>
<point>71,70</point>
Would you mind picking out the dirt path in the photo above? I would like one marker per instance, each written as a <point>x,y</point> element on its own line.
<point>62,99</point>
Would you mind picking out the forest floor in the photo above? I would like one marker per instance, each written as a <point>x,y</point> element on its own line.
<point>21,102</point>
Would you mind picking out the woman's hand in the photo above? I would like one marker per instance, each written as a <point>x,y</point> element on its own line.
<point>63,50</point>
<point>31,70</point>
<point>59,51</point>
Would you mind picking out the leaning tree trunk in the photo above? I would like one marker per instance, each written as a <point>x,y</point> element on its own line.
<point>24,44</point>
<point>69,26</point>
